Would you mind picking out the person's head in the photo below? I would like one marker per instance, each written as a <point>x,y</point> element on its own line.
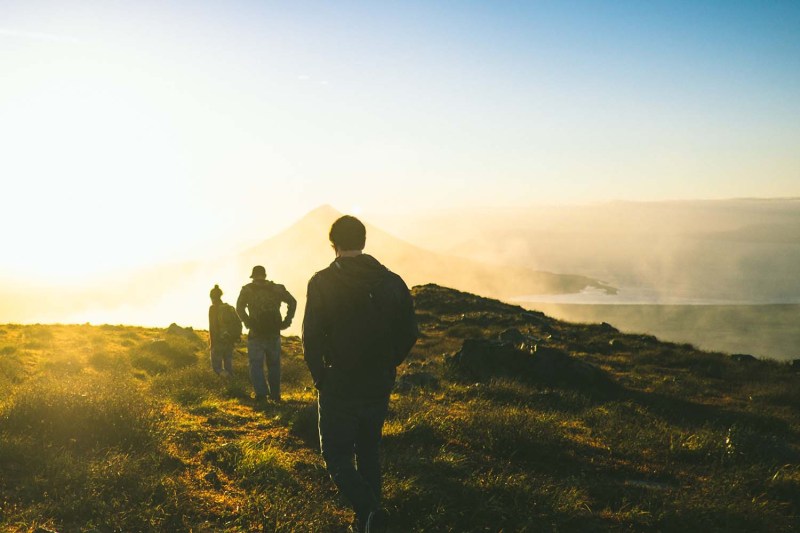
<point>216,294</point>
<point>348,234</point>
<point>259,272</point>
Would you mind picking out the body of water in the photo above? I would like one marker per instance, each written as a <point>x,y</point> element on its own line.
<point>643,296</point>
<point>763,330</point>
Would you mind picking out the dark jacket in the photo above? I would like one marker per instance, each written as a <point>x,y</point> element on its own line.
<point>259,307</point>
<point>359,325</point>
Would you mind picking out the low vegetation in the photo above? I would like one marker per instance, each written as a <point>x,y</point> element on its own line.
<point>118,428</point>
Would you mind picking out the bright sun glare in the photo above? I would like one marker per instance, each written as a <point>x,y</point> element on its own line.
<point>99,162</point>
<point>138,135</point>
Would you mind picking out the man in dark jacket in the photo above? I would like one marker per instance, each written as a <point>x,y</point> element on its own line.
<point>259,307</point>
<point>359,325</point>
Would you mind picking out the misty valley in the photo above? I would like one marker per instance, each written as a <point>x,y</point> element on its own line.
<point>718,274</point>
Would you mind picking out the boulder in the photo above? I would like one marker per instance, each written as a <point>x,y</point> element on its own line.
<point>551,363</point>
<point>481,360</point>
<point>416,380</point>
<point>187,333</point>
<point>516,338</point>
<point>608,328</point>
<point>512,335</point>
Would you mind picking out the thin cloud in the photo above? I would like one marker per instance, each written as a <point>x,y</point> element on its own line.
<point>38,36</point>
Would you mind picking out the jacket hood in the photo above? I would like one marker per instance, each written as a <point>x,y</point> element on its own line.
<point>363,271</point>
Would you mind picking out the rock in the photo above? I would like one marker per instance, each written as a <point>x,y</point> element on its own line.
<point>186,333</point>
<point>550,363</point>
<point>608,328</point>
<point>416,380</point>
<point>517,339</point>
<point>512,335</point>
<point>481,360</point>
<point>743,358</point>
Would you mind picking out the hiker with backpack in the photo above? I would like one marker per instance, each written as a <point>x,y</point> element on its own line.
<point>225,330</point>
<point>359,325</point>
<point>259,306</point>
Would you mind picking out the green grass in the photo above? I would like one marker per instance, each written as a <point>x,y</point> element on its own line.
<point>118,428</point>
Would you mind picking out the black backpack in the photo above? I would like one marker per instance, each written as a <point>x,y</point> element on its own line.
<point>382,324</point>
<point>264,307</point>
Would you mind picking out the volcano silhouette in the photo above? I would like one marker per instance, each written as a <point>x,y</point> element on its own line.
<point>292,256</point>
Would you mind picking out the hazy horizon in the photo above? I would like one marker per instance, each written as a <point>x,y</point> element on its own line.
<point>746,254</point>
<point>138,132</point>
<point>144,143</point>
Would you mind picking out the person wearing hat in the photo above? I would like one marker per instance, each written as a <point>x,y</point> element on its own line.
<point>224,331</point>
<point>259,307</point>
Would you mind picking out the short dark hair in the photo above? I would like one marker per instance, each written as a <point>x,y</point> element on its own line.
<point>348,233</point>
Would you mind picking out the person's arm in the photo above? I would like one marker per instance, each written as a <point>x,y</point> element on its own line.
<point>314,335</point>
<point>409,332</point>
<point>291,307</point>
<point>241,308</point>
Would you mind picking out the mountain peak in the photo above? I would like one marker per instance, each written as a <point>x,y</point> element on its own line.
<point>322,214</point>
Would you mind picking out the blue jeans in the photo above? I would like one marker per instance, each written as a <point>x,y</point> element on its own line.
<point>222,358</point>
<point>351,428</point>
<point>259,350</point>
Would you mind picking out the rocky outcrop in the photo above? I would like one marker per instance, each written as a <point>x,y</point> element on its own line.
<point>517,356</point>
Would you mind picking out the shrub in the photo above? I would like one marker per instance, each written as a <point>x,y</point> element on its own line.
<point>102,360</point>
<point>8,350</point>
<point>188,385</point>
<point>161,355</point>
<point>11,366</point>
<point>80,411</point>
<point>39,332</point>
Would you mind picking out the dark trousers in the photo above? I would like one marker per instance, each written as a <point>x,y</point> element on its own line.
<point>351,429</point>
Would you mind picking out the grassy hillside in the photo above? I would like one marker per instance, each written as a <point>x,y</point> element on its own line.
<point>117,428</point>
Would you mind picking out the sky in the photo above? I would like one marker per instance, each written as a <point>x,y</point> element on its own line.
<point>138,132</point>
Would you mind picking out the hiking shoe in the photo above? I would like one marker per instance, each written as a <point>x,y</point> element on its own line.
<point>377,521</point>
